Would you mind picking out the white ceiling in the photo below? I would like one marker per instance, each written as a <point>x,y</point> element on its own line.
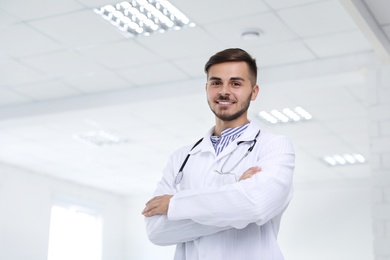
<point>66,71</point>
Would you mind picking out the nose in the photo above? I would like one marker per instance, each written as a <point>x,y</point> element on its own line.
<point>225,90</point>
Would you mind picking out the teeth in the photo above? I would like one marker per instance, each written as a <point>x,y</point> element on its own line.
<point>225,103</point>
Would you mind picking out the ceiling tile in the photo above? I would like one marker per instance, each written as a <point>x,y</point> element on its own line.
<point>347,126</point>
<point>151,74</point>
<point>359,91</point>
<point>325,176</point>
<point>284,53</point>
<point>125,53</point>
<point>78,29</point>
<point>188,42</point>
<point>279,4</point>
<point>193,66</point>
<point>338,111</point>
<point>14,41</point>
<point>31,133</point>
<point>8,97</point>
<point>201,11</point>
<point>268,94</point>
<point>357,141</point>
<point>27,10</point>
<point>97,3</point>
<point>323,145</point>
<point>46,90</point>
<point>340,43</point>
<point>98,82</point>
<point>113,118</point>
<point>150,111</point>
<point>69,124</point>
<point>6,19</point>
<point>317,19</point>
<point>325,96</point>
<point>61,64</point>
<point>146,133</point>
<point>23,74</point>
<point>230,31</point>
<point>302,130</point>
<point>355,171</point>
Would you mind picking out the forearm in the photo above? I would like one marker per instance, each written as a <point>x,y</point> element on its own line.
<point>162,231</point>
<point>232,206</point>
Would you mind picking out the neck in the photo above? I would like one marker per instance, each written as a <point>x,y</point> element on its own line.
<point>222,125</point>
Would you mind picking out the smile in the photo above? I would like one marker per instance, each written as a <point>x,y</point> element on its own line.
<point>225,102</point>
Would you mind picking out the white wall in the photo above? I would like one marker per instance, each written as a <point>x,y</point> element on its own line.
<point>330,220</point>
<point>25,204</point>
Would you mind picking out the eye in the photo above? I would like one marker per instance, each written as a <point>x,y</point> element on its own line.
<point>236,84</point>
<point>215,83</point>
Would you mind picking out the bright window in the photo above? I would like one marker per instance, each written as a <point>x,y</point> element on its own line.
<point>75,233</point>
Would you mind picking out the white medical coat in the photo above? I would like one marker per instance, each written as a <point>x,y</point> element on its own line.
<point>212,216</point>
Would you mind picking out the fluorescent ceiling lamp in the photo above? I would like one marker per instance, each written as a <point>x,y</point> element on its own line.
<point>144,17</point>
<point>286,115</point>
<point>344,159</point>
<point>100,138</point>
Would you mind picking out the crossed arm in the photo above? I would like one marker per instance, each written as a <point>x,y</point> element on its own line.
<point>186,216</point>
<point>159,205</point>
<point>163,232</point>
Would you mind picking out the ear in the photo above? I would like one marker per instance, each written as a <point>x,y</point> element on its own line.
<point>255,91</point>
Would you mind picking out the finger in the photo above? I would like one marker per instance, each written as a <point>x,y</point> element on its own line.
<point>255,169</point>
<point>150,205</point>
<point>148,210</point>
<point>157,205</point>
<point>250,172</point>
<point>148,213</point>
<point>153,200</point>
<point>152,210</point>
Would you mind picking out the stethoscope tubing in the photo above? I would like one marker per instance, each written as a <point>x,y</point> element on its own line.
<point>180,174</point>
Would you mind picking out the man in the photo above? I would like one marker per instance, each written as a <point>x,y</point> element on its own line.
<point>214,201</point>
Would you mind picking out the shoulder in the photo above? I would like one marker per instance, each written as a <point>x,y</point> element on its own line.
<point>267,139</point>
<point>265,135</point>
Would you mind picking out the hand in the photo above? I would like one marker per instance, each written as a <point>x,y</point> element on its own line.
<point>157,206</point>
<point>250,172</point>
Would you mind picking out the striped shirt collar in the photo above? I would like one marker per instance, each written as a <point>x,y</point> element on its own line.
<point>227,136</point>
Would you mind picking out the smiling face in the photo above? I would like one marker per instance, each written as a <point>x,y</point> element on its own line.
<point>229,92</point>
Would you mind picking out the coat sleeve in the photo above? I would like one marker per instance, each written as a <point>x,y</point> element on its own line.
<point>254,200</point>
<point>161,230</point>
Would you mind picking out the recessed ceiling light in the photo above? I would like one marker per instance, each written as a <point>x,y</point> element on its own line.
<point>344,159</point>
<point>251,34</point>
<point>144,17</point>
<point>100,138</point>
<point>285,116</point>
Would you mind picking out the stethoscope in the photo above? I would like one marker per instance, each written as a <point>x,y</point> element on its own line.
<point>180,174</point>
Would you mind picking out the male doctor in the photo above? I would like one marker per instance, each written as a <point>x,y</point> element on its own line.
<point>223,198</point>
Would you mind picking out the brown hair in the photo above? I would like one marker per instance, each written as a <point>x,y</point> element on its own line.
<point>234,54</point>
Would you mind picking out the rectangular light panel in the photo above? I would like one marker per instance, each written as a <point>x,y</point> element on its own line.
<point>100,138</point>
<point>144,17</point>
<point>344,159</point>
<point>285,116</point>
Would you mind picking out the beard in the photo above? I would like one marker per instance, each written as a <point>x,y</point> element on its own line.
<point>230,117</point>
